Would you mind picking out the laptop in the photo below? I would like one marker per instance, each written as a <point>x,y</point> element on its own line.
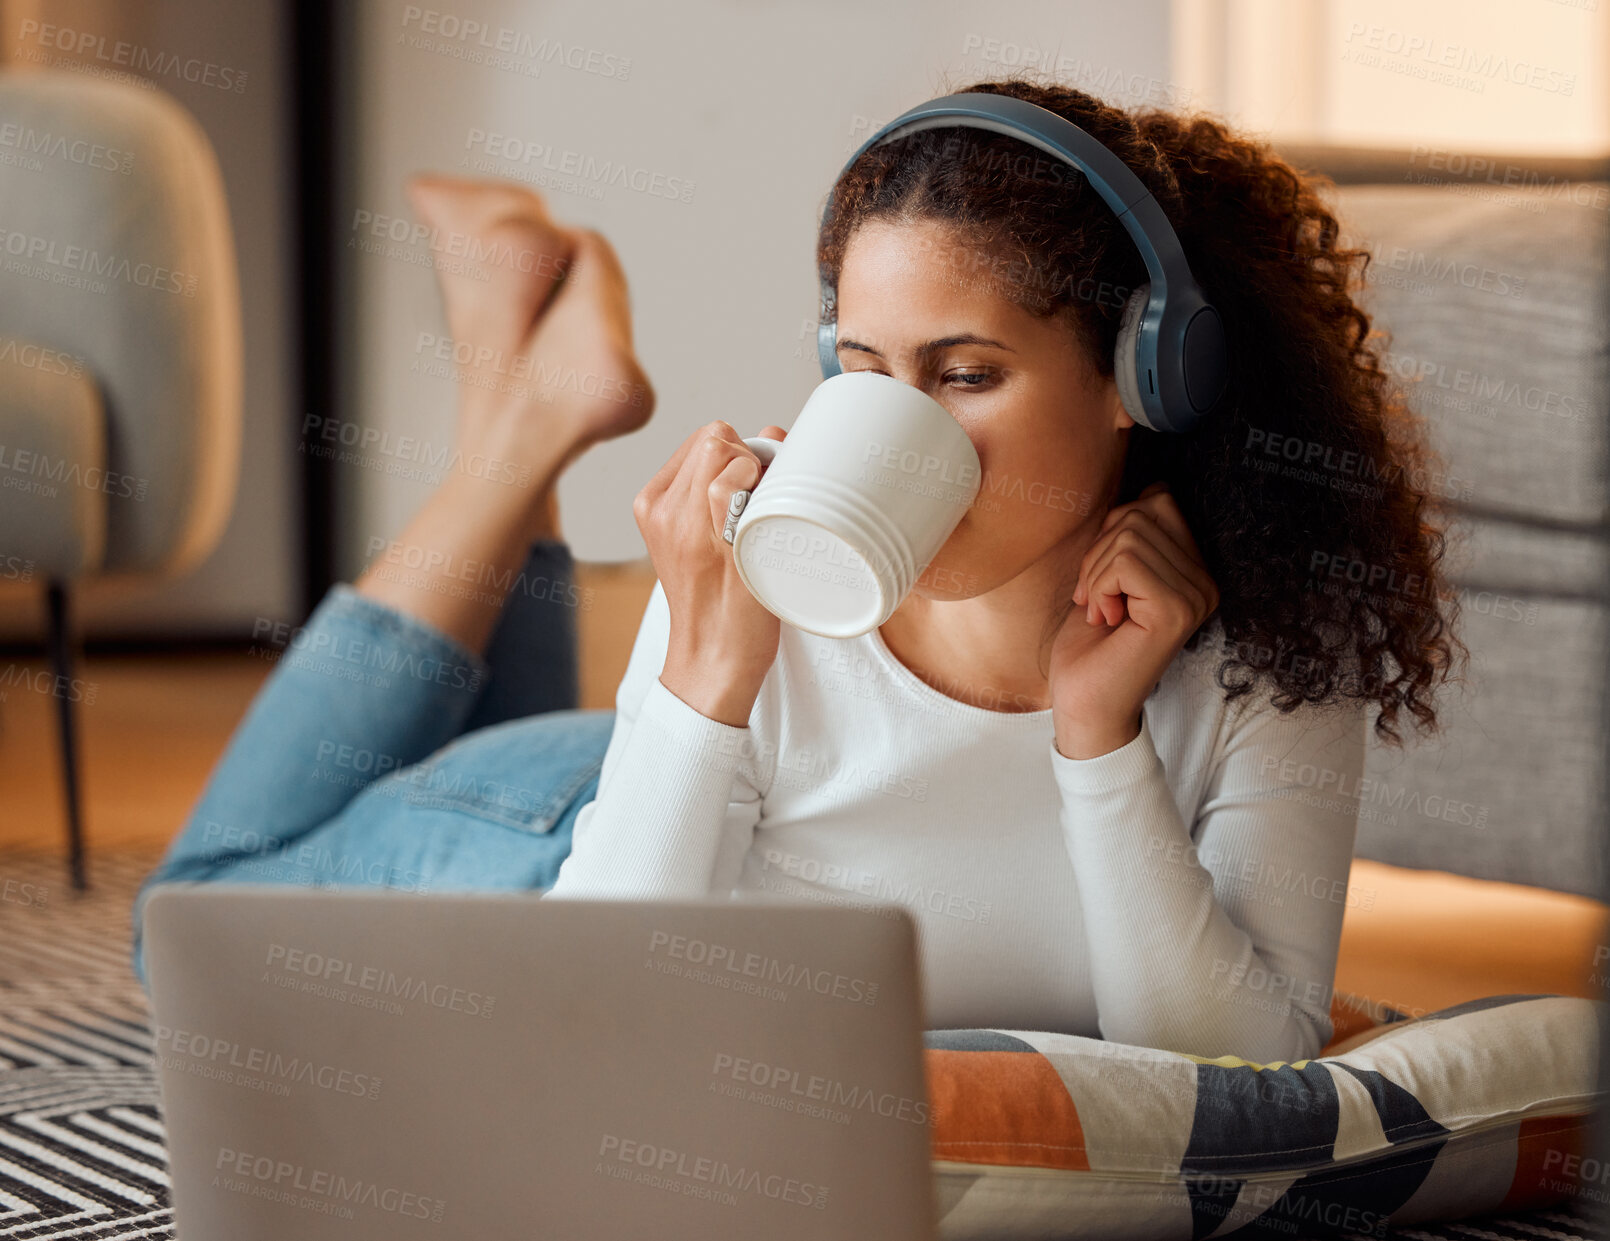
<point>373,1064</point>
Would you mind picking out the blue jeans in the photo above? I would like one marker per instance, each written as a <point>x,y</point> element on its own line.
<point>381,753</point>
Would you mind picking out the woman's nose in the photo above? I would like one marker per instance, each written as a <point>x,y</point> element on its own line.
<point>930,386</point>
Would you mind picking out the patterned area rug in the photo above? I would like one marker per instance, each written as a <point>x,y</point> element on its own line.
<point>81,1136</point>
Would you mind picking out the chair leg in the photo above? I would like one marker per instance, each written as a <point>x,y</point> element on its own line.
<point>61,657</point>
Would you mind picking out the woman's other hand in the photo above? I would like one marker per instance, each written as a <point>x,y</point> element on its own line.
<point>1143,589</point>
<point>722,641</point>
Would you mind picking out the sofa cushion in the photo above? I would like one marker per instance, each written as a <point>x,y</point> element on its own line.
<point>1494,311</point>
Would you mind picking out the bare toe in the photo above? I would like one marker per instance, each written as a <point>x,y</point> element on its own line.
<point>504,256</point>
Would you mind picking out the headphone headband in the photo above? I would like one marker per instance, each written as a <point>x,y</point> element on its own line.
<point>1179,356</point>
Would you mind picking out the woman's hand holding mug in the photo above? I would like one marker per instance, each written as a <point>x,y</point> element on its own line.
<point>722,640</point>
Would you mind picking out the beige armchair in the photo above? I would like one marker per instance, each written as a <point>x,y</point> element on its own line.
<point>120,350</point>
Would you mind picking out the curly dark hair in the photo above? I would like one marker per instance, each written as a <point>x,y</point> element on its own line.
<point>1311,489</point>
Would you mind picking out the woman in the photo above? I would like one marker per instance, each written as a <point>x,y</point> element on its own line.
<point>1107,753</point>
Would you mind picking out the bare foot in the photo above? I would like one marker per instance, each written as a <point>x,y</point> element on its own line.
<point>543,342</point>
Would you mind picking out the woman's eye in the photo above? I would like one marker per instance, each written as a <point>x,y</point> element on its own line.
<point>969,379</point>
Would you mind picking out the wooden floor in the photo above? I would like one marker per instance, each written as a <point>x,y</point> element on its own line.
<point>157,724</point>
<point>150,728</point>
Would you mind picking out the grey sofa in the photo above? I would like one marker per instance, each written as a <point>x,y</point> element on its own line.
<point>1489,274</point>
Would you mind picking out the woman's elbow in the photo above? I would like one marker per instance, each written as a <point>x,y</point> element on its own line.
<point>1285,1038</point>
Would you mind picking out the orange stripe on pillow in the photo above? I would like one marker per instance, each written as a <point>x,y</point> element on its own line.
<point>1548,1162</point>
<point>1003,1107</point>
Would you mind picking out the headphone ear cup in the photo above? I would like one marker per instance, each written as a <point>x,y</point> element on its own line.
<point>826,347</point>
<point>1124,360</point>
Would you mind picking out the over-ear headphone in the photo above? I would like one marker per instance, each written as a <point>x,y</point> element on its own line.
<point>1170,363</point>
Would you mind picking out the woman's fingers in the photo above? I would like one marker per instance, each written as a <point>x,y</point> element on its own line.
<point>663,477</point>
<point>1138,535</point>
<point>1131,518</point>
<point>672,469</point>
<point>714,454</point>
<point>713,463</point>
<point>1137,568</point>
<point>1165,510</point>
<point>739,474</point>
<point>1159,503</point>
<point>1156,519</point>
<point>719,445</point>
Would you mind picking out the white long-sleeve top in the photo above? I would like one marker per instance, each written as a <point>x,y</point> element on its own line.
<point>1185,891</point>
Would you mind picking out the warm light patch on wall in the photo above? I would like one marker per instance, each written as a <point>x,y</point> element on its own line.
<point>1495,75</point>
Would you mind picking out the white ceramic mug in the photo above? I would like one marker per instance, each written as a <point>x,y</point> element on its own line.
<point>854,504</point>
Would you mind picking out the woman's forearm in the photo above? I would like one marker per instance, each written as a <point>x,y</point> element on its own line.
<point>1172,966</point>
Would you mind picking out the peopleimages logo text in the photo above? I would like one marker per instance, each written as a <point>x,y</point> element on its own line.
<point>71,257</point>
<point>518,43</point>
<point>829,1091</point>
<point>383,982</point>
<point>756,965</point>
<point>285,1181</point>
<point>219,1053</point>
<point>680,1165</point>
<point>514,150</point>
<point>151,62</point>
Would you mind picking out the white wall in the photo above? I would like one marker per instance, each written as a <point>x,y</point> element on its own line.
<point>758,104</point>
